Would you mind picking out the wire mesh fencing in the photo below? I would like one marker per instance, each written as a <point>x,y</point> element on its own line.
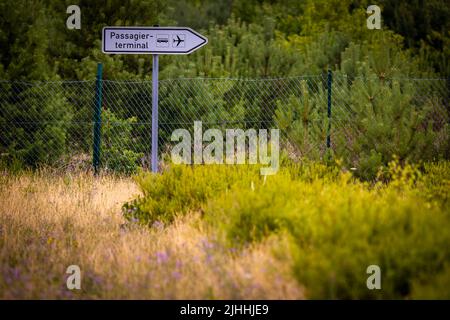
<point>359,119</point>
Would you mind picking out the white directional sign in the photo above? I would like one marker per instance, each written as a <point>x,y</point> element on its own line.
<point>151,40</point>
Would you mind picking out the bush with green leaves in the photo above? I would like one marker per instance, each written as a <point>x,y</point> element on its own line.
<point>184,188</point>
<point>250,41</point>
<point>376,112</point>
<point>34,128</point>
<point>303,120</point>
<point>377,120</point>
<point>336,225</point>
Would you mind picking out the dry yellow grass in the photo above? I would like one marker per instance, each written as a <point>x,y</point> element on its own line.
<point>48,222</point>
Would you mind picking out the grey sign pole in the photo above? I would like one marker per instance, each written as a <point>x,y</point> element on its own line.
<point>155,114</point>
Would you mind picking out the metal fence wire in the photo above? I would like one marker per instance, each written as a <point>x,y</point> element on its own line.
<point>52,123</point>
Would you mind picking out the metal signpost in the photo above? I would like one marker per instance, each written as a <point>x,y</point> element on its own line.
<point>155,41</point>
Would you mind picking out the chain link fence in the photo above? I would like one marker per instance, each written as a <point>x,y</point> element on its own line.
<point>356,118</point>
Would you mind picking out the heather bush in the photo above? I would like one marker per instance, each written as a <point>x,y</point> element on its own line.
<point>336,224</point>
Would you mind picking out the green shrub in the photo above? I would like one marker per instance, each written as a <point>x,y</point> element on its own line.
<point>434,183</point>
<point>182,188</point>
<point>118,152</point>
<point>338,227</point>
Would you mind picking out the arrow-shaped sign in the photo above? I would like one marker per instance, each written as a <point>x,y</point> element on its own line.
<point>151,40</point>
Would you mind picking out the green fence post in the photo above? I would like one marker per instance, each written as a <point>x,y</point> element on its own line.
<point>97,119</point>
<point>329,83</point>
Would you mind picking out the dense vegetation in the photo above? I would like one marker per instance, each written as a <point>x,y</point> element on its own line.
<point>379,194</point>
<point>336,226</point>
<point>378,112</point>
<point>36,45</point>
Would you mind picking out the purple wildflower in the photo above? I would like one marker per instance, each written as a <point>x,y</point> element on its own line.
<point>162,257</point>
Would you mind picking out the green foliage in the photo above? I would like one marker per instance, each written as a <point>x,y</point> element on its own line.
<point>382,120</point>
<point>336,226</point>
<point>257,38</point>
<point>264,38</point>
<point>424,25</point>
<point>304,120</point>
<point>183,188</point>
<point>376,113</point>
<point>24,40</point>
<point>34,131</point>
<point>434,183</point>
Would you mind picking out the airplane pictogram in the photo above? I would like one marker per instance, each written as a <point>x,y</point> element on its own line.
<point>178,40</point>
